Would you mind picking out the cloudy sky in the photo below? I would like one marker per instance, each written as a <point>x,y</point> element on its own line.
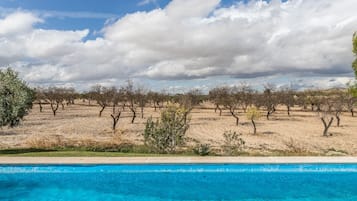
<point>179,44</point>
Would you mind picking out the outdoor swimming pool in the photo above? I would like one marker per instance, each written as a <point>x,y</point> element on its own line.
<point>293,182</point>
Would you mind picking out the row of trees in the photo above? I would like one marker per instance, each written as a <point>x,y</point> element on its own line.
<point>237,101</point>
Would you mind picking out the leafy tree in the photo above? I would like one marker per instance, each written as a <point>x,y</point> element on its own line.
<point>253,114</point>
<point>351,97</point>
<point>15,98</point>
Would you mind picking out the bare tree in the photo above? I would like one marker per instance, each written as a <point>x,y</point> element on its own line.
<point>232,102</point>
<point>102,95</point>
<point>142,99</point>
<point>115,96</point>
<point>40,97</point>
<point>156,98</point>
<point>189,100</point>
<point>217,96</point>
<point>131,98</point>
<point>326,115</point>
<point>55,97</point>
<point>286,97</point>
<point>245,95</point>
<point>269,99</point>
<point>338,105</point>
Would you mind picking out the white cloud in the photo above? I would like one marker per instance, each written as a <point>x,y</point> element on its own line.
<point>17,23</point>
<point>189,39</point>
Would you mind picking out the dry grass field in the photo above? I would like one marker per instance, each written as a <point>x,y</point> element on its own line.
<point>301,133</point>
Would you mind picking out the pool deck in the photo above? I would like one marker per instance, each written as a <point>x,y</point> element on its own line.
<point>172,160</point>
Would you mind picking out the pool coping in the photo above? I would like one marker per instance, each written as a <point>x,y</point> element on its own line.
<point>174,160</point>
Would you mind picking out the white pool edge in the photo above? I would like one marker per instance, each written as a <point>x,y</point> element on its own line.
<point>175,160</point>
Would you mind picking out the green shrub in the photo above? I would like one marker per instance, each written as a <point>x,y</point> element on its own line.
<point>233,143</point>
<point>166,134</point>
<point>15,98</point>
<point>202,149</point>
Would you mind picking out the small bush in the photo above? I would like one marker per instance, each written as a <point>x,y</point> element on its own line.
<point>233,143</point>
<point>294,147</point>
<point>166,134</point>
<point>202,149</point>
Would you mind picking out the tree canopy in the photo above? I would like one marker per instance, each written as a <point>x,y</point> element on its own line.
<point>15,98</point>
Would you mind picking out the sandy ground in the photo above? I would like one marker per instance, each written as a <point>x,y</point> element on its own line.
<point>81,122</point>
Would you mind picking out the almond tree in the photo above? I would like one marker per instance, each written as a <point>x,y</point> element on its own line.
<point>269,100</point>
<point>232,103</point>
<point>131,98</point>
<point>217,96</point>
<point>114,97</point>
<point>326,115</point>
<point>142,99</point>
<point>253,114</point>
<point>245,94</point>
<point>102,95</point>
<point>286,97</point>
<point>156,98</point>
<point>55,98</point>
<point>40,97</point>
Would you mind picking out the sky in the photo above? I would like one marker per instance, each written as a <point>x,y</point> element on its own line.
<point>178,45</point>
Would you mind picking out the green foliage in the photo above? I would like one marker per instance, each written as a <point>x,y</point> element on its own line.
<point>352,89</point>
<point>166,135</point>
<point>253,113</point>
<point>233,143</point>
<point>15,98</point>
<point>354,64</point>
<point>202,149</point>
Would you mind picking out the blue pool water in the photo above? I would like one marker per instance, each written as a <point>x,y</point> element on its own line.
<point>326,182</point>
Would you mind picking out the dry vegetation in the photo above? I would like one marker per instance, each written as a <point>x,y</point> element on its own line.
<point>78,125</point>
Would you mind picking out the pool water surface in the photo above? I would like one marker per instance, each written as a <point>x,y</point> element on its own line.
<point>239,182</point>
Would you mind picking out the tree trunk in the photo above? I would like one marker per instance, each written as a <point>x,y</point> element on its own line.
<point>62,105</point>
<point>235,116</point>
<point>134,115</point>
<point>255,128</point>
<point>100,112</point>
<point>115,120</point>
<point>326,125</point>
<point>220,111</point>
<point>40,104</point>
<point>142,112</point>
<point>352,112</point>
<point>268,113</point>
<point>338,119</point>
<point>54,109</point>
<point>288,110</point>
